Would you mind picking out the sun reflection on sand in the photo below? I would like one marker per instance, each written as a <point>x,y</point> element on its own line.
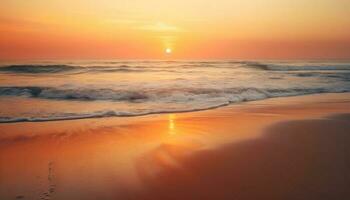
<point>172,128</point>
<point>116,158</point>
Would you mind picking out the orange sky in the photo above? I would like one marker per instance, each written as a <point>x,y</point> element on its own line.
<point>193,29</point>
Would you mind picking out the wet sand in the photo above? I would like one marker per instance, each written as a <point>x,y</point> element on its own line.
<point>283,148</point>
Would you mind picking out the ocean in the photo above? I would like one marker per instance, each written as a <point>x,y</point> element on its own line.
<point>64,90</point>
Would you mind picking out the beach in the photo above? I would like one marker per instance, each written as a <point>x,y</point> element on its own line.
<point>279,148</point>
<point>175,100</point>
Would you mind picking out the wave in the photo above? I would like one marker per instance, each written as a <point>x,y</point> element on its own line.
<point>34,69</point>
<point>72,94</point>
<point>161,94</point>
<point>305,67</point>
<point>48,69</point>
<point>99,114</point>
<point>196,99</point>
<point>178,67</point>
<point>189,86</point>
<point>113,113</point>
<point>71,69</point>
<point>84,94</point>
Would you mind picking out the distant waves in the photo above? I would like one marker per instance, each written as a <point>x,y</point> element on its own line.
<point>92,89</point>
<point>159,66</point>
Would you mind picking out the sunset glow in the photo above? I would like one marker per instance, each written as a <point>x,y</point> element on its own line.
<point>205,29</point>
<point>174,99</point>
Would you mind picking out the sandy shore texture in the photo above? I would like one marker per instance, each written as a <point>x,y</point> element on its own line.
<point>282,148</point>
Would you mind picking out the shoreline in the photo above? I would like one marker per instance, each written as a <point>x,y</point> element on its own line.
<point>212,154</point>
<point>107,115</point>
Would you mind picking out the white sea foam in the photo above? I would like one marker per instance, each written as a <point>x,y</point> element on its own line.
<point>134,88</point>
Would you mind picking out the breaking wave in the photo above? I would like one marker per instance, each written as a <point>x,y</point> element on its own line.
<point>198,98</point>
<point>134,88</point>
<point>305,67</point>
<point>72,94</point>
<point>37,68</point>
<point>161,94</point>
<point>99,114</point>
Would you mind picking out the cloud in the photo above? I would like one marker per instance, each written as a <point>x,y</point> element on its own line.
<point>159,27</point>
<point>145,25</point>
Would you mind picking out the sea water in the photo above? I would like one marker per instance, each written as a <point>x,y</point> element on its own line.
<point>66,90</point>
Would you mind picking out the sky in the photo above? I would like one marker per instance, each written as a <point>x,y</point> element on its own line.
<point>192,29</point>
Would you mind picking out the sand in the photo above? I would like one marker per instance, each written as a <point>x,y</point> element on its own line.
<point>283,148</point>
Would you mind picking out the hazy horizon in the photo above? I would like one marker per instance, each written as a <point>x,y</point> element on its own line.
<point>194,29</point>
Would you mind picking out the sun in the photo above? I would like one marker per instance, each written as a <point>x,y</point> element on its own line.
<point>168,51</point>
